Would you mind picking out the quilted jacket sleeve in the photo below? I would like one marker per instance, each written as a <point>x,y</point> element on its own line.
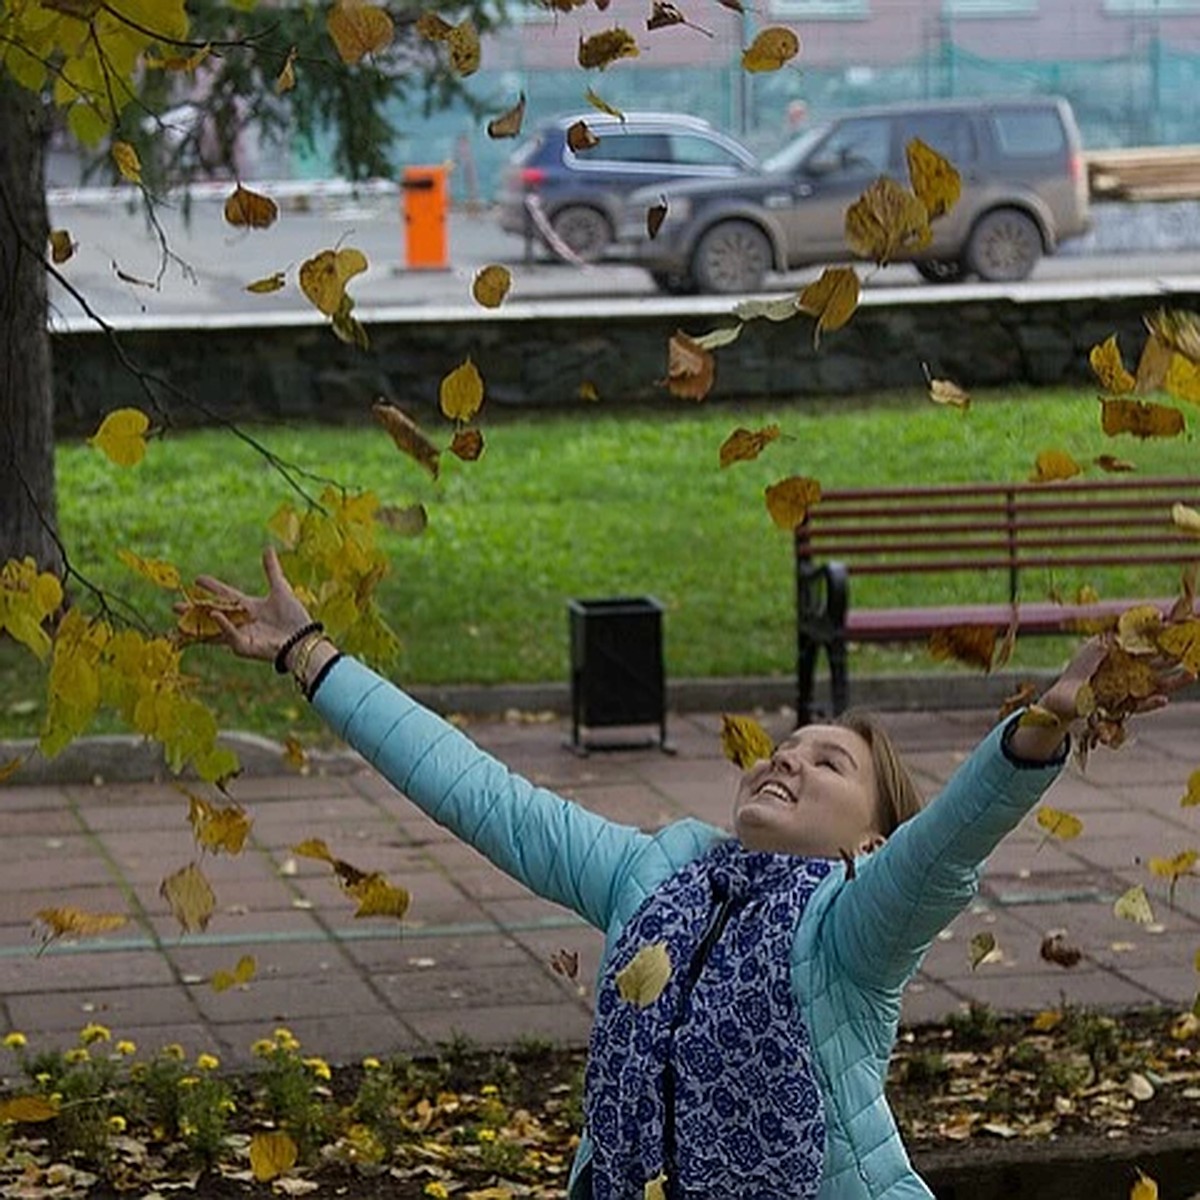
<point>883,921</point>
<point>555,848</point>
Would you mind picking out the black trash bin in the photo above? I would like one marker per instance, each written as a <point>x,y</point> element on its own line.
<point>617,669</point>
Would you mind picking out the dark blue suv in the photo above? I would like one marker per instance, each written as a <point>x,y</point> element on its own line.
<point>579,195</point>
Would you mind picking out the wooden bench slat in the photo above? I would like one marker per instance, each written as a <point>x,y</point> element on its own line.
<point>934,566</point>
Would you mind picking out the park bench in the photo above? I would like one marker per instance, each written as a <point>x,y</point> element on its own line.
<point>1014,542</point>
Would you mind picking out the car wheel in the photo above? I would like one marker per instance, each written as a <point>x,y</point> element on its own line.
<point>733,256</point>
<point>1005,246</point>
<point>585,230</point>
<point>673,284</point>
<point>941,270</point>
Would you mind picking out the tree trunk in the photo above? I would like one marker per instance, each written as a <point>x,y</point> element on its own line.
<point>27,504</point>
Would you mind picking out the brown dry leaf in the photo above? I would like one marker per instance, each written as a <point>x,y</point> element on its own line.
<point>1185,518</point>
<point>886,220</point>
<point>789,500</point>
<point>294,756</point>
<point>1054,464</point>
<point>832,299</point>
<point>1182,642</point>
<point>1138,629</point>
<point>1121,680</point>
<point>935,180</point>
<point>1008,643</point>
<point>587,391</point>
<point>323,277</point>
<point>1189,799</point>
<point>770,50</point>
<point>656,214</point>
<point>407,436</point>
<point>69,921</point>
<point>460,394</point>
<point>1132,905</point>
<point>974,645</point>
<point>1059,824</point>
<point>285,81</point>
<point>691,370</point>
<point>642,980</point>
<point>603,105</point>
<point>745,445</point>
<point>946,392</point>
<point>1153,364</point>
<point>242,974</point>
<point>358,29</point>
<point>28,1110</point>
<point>1046,1020</point>
<point>1179,328</point>
<point>1055,950</point>
<point>1112,464</point>
<point>508,124</point>
<point>467,444</point>
<point>346,326</point>
<point>314,848</point>
<point>378,898</point>
<point>247,209</point>
<point>267,284</point>
<point>190,897</point>
<point>128,163</point>
<point>408,521</point>
<point>465,54</point>
<point>432,27</point>
<point>271,1154</point>
<point>1109,368</point>
<point>1183,379</point>
<point>983,947</point>
<point>662,14</point>
<point>490,285</point>
<point>217,827</point>
<point>744,741</point>
<point>580,137</point>
<point>1141,419</point>
<point>61,246</point>
<point>565,962</point>
<point>601,49</point>
<point>10,767</point>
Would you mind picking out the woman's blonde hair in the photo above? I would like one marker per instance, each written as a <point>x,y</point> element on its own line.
<point>899,797</point>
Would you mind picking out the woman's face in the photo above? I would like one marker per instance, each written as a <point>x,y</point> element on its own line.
<point>815,796</point>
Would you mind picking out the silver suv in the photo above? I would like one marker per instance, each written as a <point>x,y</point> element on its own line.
<point>1024,191</point>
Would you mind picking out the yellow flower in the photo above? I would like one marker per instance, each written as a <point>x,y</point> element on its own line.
<point>263,1048</point>
<point>207,1062</point>
<point>126,1047</point>
<point>285,1039</point>
<point>319,1067</point>
<point>175,1051</point>
<point>117,1124</point>
<point>15,1040</point>
<point>77,1055</point>
<point>42,1078</point>
<point>437,1190</point>
<point>189,1081</point>
<point>94,1033</point>
<point>186,1127</point>
<point>371,1064</point>
<point>487,1135</point>
<point>228,1105</point>
<point>489,1089</point>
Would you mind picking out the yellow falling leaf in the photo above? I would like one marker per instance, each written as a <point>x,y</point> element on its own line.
<point>642,980</point>
<point>886,220</point>
<point>1191,796</point>
<point>1140,419</point>
<point>1175,866</point>
<point>69,921</point>
<point>1144,1188</point>
<point>587,391</point>
<point>463,40</point>
<point>128,163</point>
<point>267,284</point>
<point>789,500</point>
<point>460,393</point>
<point>1185,518</point>
<point>1138,629</point>
<point>432,27</point>
<point>190,898</point>
<point>508,124</point>
<point>1183,379</point>
<point>723,335</point>
<point>122,436</point>
<point>745,445</point>
<point>285,81</point>
<point>358,29</point>
<point>1132,905</point>
<point>217,827</point>
<point>1059,824</point>
<point>935,180</point>
<point>1182,642</point>
<point>272,1153</point>
<point>656,1188</point>
<point>744,741</point>
<point>1179,328</point>
<point>161,574</point>
<point>28,1110</point>
<point>771,49</point>
<point>491,285</point>
<point>252,210</point>
<point>832,299</point>
<point>1052,465</point>
<point>691,370</point>
<point>10,767</point>
<point>1046,1020</point>
<point>407,435</point>
<point>378,898</point>
<point>974,645</point>
<point>983,947</point>
<point>782,309</point>
<point>323,277</point>
<point>241,975</point>
<point>313,848</point>
<point>61,246</point>
<point>1153,364</point>
<point>601,49</point>
<point>1109,368</point>
<point>294,756</point>
<point>603,105</point>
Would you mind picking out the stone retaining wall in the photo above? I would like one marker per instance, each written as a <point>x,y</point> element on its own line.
<point>537,355</point>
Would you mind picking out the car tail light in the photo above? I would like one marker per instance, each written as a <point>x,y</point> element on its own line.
<point>532,177</point>
<point>1077,167</point>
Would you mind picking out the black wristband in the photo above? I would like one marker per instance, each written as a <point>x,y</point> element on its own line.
<point>319,678</point>
<point>293,642</point>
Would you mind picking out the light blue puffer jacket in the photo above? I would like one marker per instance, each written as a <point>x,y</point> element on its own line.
<point>857,944</point>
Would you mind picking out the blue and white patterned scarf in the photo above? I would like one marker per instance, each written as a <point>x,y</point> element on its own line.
<point>720,1065</point>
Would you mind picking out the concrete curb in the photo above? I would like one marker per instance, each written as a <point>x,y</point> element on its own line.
<point>129,759</point>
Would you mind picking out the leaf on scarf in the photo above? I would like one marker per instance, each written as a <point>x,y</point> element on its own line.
<point>642,981</point>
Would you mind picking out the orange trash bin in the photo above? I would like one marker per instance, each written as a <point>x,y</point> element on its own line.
<point>424,191</point>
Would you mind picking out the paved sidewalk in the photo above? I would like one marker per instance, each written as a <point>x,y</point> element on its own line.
<point>473,956</point>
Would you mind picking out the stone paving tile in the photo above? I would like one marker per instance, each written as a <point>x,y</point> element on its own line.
<point>1030,993</point>
<point>276,790</point>
<point>118,1008</point>
<point>55,871</point>
<point>37,822</point>
<point>19,848</point>
<point>72,971</point>
<point>411,989</point>
<point>19,799</point>
<point>340,1039</point>
<point>281,1000</point>
<point>448,951</point>
<point>926,1001</point>
<point>497,1025</point>
<point>119,818</point>
<point>627,804</point>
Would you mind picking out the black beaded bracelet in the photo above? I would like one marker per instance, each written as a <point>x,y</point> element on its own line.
<point>293,642</point>
<point>320,676</point>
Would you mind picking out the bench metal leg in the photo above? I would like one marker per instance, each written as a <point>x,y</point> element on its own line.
<point>806,671</point>
<point>839,679</point>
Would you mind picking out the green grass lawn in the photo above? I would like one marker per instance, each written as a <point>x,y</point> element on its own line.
<point>598,504</point>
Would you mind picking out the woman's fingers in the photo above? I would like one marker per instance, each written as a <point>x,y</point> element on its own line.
<point>275,576</point>
<point>211,584</point>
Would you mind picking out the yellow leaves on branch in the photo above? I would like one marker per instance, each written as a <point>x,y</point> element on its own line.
<point>376,897</point>
<point>161,574</point>
<point>358,29</point>
<point>789,500</point>
<point>122,436</point>
<point>642,980</point>
<point>27,598</point>
<point>744,741</point>
<point>195,621</point>
<point>771,49</point>
<point>602,49</point>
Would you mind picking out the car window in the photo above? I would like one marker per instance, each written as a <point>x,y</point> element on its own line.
<point>859,146</point>
<point>795,152</point>
<point>949,134</point>
<point>1028,133</point>
<point>629,147</point>
<point>526,150</point>
<point>692,150</point>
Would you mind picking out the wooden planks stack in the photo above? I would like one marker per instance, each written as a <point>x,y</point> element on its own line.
<point>1144,173</point>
